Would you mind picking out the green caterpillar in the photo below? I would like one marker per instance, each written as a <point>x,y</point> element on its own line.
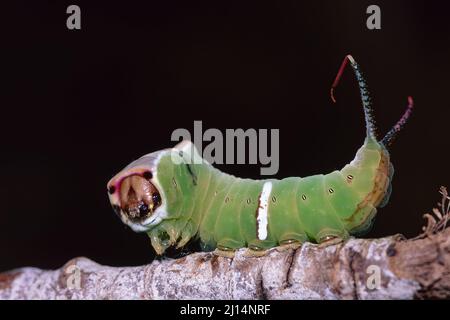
<point>175,199</point>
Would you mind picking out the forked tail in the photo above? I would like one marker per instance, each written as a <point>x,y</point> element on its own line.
<point>389,137</point>
<point>367,104</point>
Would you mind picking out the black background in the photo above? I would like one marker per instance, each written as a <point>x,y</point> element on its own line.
<point>77,106</point>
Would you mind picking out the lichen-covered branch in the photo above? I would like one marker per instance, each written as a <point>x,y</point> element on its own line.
<point>387,268</point>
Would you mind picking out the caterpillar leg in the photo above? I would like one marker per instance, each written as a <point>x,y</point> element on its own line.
<point>160,240</point>
<point>224,252</point>
<point>291,240</point>
<point>289,244</point>
<point>226,247</point>
<point>185,237</point>
<point>330,241</point>
<point>228,244</point>
<point>172,230</point>
<point>329,236</point>
<point>252,253</point>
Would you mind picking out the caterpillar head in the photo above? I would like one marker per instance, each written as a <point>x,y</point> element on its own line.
<point>135,195</point>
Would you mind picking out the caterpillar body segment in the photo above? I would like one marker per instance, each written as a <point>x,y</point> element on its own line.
<point>174,196</point>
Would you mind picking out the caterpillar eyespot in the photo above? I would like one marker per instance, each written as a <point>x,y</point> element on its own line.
<point>143,209</point>
<point>156,198</point>
<point>147,175</point>
<point>175,202</point>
